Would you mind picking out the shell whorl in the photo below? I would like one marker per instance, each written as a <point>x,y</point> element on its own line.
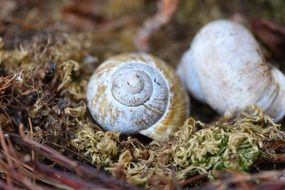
<point>230,71</point>
<point>135,93</point>
<point>135,84</point>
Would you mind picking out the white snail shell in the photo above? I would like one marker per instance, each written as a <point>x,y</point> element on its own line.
<point>137,93</point>
<point>225,68</point>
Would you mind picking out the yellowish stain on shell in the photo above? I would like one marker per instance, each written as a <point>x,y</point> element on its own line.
<point>178,109</point>
<point>105,107</point>
<point>169,121</point>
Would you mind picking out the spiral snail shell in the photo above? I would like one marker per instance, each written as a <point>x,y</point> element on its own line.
<point>225,68</point>
<point>137,93</point>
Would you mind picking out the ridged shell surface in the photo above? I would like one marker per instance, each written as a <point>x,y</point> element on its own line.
<point>225,68</point>
<point>137,93</point>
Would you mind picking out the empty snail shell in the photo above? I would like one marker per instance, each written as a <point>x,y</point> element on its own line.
<point>225,68</point>
<point>137,93</point>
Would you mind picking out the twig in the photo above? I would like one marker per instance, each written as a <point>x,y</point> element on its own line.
<point>275,145</point>
<point>166,8</point>
<point>24,171</point>
<point>6,153</point>
<point>239,178</point>
<point>277,158</point>
<point>58,177</point>
<point>273,185</point>
<point>6,186</point>
<point>72,165</point>
<point>32,151</point>
<point>7,81</point>
<point>13,170</point>
<point>192,180</point>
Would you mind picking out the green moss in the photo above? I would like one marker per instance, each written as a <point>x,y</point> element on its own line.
<point>233,143</point>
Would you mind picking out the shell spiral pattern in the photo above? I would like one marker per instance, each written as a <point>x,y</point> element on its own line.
<point>137,93</point>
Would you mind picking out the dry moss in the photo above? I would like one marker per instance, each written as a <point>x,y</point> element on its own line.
<point>102,147</point>
<point>50,88</point>
<point>48,58</point>
<point>234,143</point>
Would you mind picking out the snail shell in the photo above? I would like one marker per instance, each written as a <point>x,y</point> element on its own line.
<point>137,93</point>
<point>225,68</point>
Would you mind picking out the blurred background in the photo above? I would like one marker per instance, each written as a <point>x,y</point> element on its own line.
<point>101,28</point>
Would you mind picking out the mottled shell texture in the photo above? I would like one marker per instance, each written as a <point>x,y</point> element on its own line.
<point>137,93</point>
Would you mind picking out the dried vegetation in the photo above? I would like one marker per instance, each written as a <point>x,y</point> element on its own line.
<point>49,49</point>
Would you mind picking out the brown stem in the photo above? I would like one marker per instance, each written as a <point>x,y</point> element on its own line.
<point>55,176</point>
<point>192,180</point>
<point>166,8</point>
<point>277,158</point>
<point>72,165</point>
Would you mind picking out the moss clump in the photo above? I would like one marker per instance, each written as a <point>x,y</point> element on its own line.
<point>227,144</point>
<point>49,87</point>
<point>102,147</point>
<point>234,142</point>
